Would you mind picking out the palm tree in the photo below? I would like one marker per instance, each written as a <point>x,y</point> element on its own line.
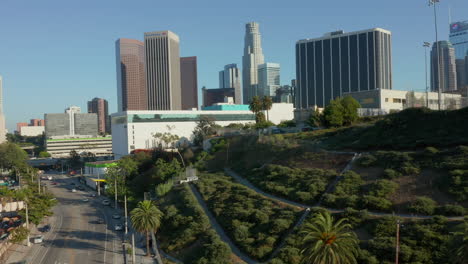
<point>267,103</point>
<point>328,242</point>
<point>255,105</point>
<point>146,218</point>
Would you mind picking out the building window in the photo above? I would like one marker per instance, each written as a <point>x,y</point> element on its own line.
<point>386,100</point>
<point>397,100</point>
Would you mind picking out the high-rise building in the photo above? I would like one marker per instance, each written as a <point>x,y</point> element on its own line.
<point>131,84</point>
<point>459,38</point>
<point>446,76</point>
<point>341,62</point>
<point>162,69</point>
<point>99,106</point>
<point>72,123</point>
<point>268,79</point>
<point>189,82</point>
<point>213,96</point>
<point>253,56</point>
<point>229,77</point>
<point>2,116</point>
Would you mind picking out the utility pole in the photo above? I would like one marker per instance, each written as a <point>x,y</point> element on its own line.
<point>39,183</point>
<point>115,190</point>
<point>28,243</point>
<point>98,185</point>
<point>397,249</point>
<point>133,248</point>
<point>126,218</point>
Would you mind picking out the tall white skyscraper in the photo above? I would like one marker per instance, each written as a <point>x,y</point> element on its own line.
<point>162,69</point>
<point>230,78</point>
<point>268,79</point>
<point>2,116</point>
<point>253,56</point>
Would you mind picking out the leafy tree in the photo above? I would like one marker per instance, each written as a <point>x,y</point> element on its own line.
<point>423,205</point>
<point>163,188</point>
<point>350,107</point>
<point>459,244</point>
<point>329,242</point>
<point>12,156</point>
<point>44,154</point>
<point>316,119</point>
<point>333,113</point>
<point>267,103</point>
<point>19,234</point>
<point>74,160</point>
<point>288,123</point>
<point>146,218</point>
<point>205,127</point>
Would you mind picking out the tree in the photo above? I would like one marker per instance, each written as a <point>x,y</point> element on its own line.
<point>12,156</point>
<point>44,154</point>
<point>205,127</point>
<point>459,244</point>
<point>19,234</point>
<point>333,114</point>
<point>146,218</point>
<point>255,105</point>
<point>74,160</point>
<point>328,242</point>
<point>267,103</point>
<point>350,107</point>
<point>315,119</point>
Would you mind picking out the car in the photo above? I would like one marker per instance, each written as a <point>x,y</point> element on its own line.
<point>49,178</point>
<point>118,227</point>
<point>85,200</point>
<point>73,190</point>
<point>100,221</point>
<point>54,183</point>
<point>116,216</point>
<point>105,202</point>
<point>92,195</point>
<point>81,188</point>
<point>38,239</point>
<point>73,183</point>
<point>45,229</point>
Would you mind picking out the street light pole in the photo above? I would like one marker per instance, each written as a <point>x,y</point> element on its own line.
<point>28,243</point>
<point>397,250</point>
<point>115,190</point>
<point>433,3</point>
<point>126,217</point>
<point>426,45</point>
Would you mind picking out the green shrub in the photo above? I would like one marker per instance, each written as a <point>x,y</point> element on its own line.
<point>367,160</point>
<point>383,188</point>
<point>451,210</point>
<point>375,203</point>
<point>423,205</point>
<point>391,174</point>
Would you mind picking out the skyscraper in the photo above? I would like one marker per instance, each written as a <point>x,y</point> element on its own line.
<point>229,77</point>
<point>268,79</point>
<point>131,84</point>
<point>99,106</point>
<point>162,69</point>
<point>459,38</point>
<point>2,116</point>
<point>213,96</point>
<point>341,62</point>
<point>189,82</point>
<point>447,72</point>
<point>253,56</point>
<point>72,123</point>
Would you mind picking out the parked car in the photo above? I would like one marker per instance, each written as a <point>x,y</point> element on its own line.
<point>85,200</point>
<point>54,183</point>
<point>38,239</point>
<point>100,221</point>
<point>105,202</point>
<point>118,227</point>
<point>45,229</point>
<point>116,216</point>
<point>49,178</point>
<point>73,190</point>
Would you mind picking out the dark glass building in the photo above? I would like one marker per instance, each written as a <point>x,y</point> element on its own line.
<point>341,62</point>
<point>213,96</point>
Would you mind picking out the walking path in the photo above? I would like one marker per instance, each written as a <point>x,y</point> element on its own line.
<point>219,229</point>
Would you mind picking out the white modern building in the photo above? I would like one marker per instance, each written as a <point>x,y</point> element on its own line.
<point>268,79</point>
<point>32,131</point>
<point>253,56</point>
<point>133,130</point>
<point>385,101</point>
<point>2,116</point>
<point>61,147</point>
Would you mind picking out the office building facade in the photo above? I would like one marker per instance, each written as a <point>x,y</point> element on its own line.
<point>100,107</point>
<point>253,56</point>
<point>459,38</point>
<point>36,122</point>
<point>444,77</point>
<point>162,67</point>
<point>268,79</point>
<point>189,82</point>
<point>72,123</point>
<point>340,63</point>
<point>2,116</point>
<point>229,77</point>
<point>131,83</point>
<point>213,96</point>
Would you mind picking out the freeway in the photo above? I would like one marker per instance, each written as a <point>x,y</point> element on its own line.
<point>81,231</point>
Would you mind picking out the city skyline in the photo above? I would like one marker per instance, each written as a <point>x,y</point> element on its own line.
<point>277,41</point>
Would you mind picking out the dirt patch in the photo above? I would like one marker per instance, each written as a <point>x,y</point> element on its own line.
<point>319,160</point>
<point>368,174</point>
<point>423,184</point>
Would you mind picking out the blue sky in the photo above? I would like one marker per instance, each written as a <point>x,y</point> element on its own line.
<point>56,53</point>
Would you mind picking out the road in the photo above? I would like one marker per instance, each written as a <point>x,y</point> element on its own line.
<point>76,235</point>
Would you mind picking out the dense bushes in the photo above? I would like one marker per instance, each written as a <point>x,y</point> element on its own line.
<point>303,185</point>
<point>185,224</point>
<point>254,223</point>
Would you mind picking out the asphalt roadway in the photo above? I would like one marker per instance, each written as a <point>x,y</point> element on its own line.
<point>77,235</point>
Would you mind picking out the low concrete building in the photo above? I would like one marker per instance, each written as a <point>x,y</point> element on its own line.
<point>61,147</point>
<point>32,131</point>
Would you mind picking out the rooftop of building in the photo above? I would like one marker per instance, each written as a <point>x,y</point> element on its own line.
<point>78,138</point>
<point>101,164</point>
<point>341,33</point>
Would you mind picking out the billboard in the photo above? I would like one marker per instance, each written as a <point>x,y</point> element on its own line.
<point>458,26</point>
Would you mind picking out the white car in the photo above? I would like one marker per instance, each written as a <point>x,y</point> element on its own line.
<point>49,178</point>
<point>118,227</point>
<point>38,239</point>
<point>73,190</point>
<point>85,200</point>
<point>116,216</point>
<point>105,202</point>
